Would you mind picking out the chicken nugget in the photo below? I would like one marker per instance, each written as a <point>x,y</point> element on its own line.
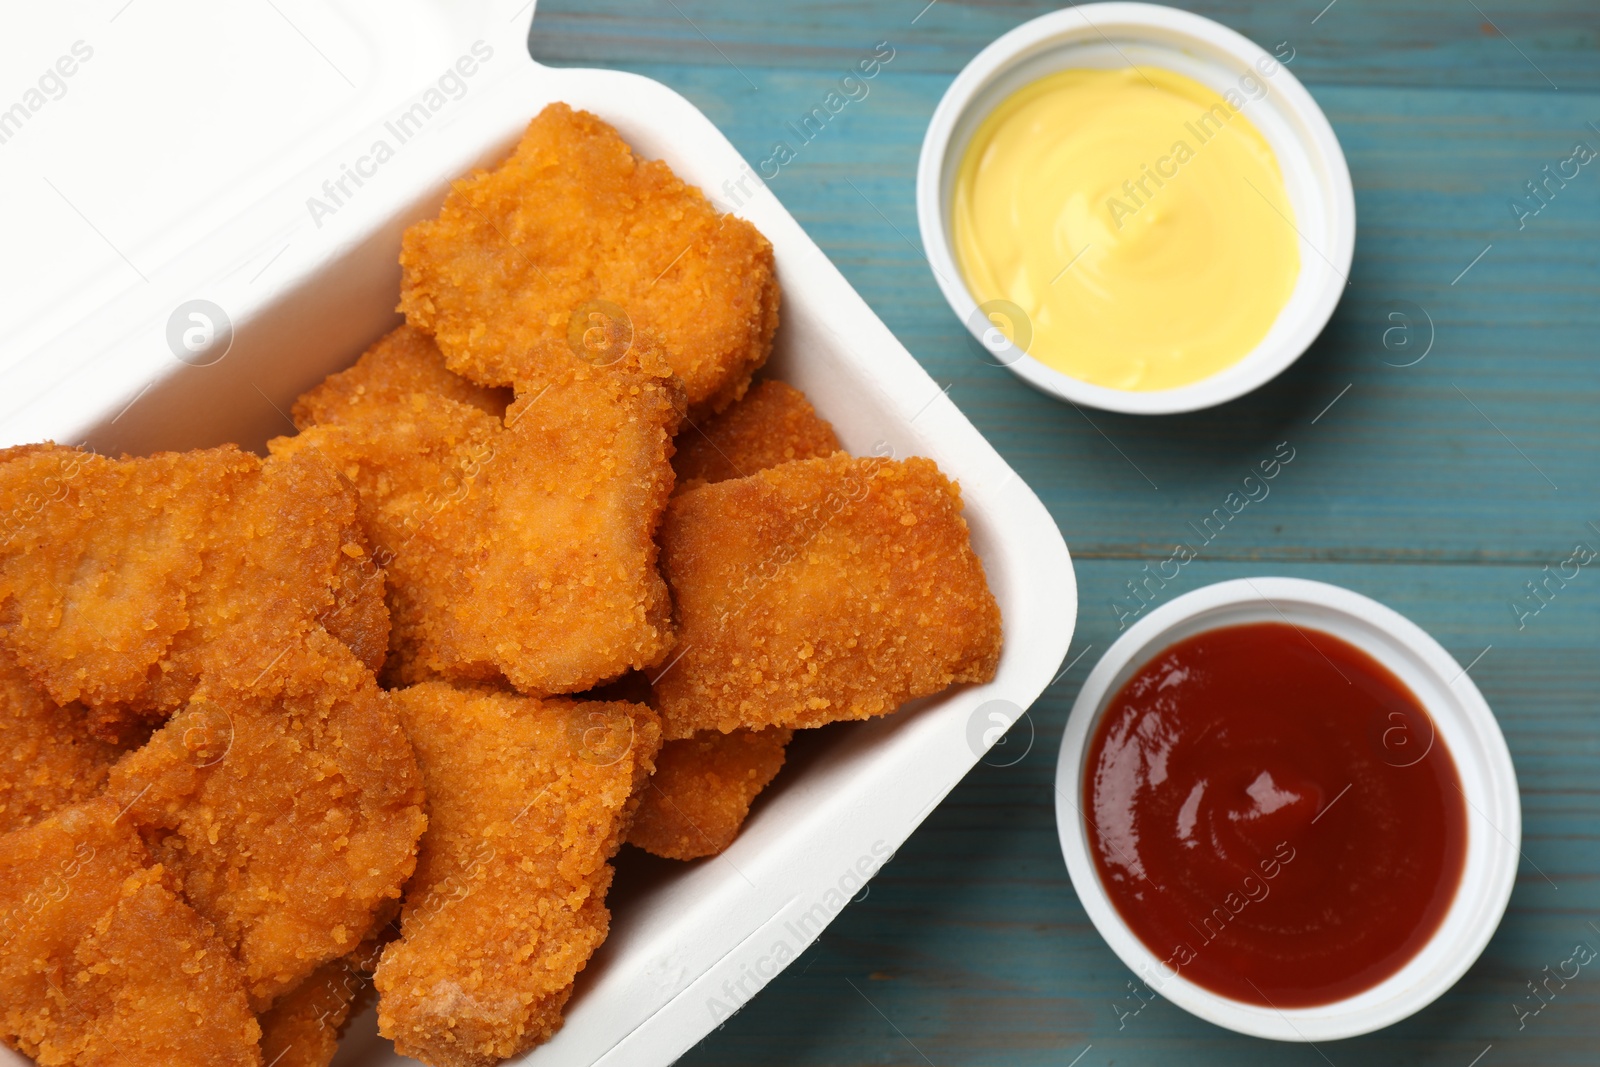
<point>302,1029</point>
<point>701,792</point>
<point>585,478</point>
<point>402,366</point>
<point>574,232</point>
<point>773,424</point>
<point>164,988</point>
<point>117,575</point>
<point>290,559</point>
<point>57,877</point>
<point>820,590</point>
<point>527,801</point>
<point>101,963</point>
<point>523,548</point>
<point>285,800</point>
<point>48,759</point>
<point>98,562</point>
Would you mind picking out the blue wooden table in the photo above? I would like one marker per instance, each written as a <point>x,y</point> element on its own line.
<point>1441,487</point>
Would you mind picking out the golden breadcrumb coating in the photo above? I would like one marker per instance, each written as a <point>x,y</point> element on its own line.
<point>166,989</point>
<point>291,559</point>
<point>116,575</point>
<point>574,233</point>
<point>286,801</point>
<point>524,548</point>
<point>303,1028</point>
<point>98,560</point>
<point>701,792</point>
<point>819,590</point>
<point>527,800</point>
<point>57,878</point>
<point>101,963</point>
<point>773,424</point>
<point>404,362</point>
<point>48,759</point>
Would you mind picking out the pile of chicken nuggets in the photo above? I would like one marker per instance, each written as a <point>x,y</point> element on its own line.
<point>542,574</point>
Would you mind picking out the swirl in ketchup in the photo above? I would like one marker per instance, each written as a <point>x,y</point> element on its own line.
<point>1273,815</point>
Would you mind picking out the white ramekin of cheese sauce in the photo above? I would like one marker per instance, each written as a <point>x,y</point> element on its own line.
<point>1136,208</point>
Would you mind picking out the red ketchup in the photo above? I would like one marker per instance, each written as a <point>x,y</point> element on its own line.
<point>1273,815</point>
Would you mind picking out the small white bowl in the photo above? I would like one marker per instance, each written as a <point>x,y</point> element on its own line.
<point>1111,36</point>
<point>1464,725</point>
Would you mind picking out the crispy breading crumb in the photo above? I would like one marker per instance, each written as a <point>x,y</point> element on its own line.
<point>820,590</point>
<point>573,227</point>
<point>96,567</point>
<point>527,800</point>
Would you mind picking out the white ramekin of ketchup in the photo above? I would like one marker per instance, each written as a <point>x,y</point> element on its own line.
<point>1136,208</point>
<point>1287,809</point>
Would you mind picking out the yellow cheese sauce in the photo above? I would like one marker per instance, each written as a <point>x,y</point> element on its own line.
<point>1138,219</point>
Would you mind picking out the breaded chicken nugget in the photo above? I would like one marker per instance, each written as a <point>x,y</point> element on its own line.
<point>701,792</point>
<point>820,590</point>
<point>286,801</point>
<point>290,559</point>
<point>302,1029</point>
<point>773,424</point>
<point>164,988</point>
<point>573,232</point>
<point>101,963</point>
<point>98,560</point>
<point>116,575</point>
<point>57,878</point>
<point>403,364</point>
<point>48,759</point>
<point>527,800</point>
<point>524,548</point>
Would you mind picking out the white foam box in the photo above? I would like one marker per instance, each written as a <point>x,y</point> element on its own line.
<point>178,169</point>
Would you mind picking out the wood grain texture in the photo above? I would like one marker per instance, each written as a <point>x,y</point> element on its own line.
<point>1439,489</point>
